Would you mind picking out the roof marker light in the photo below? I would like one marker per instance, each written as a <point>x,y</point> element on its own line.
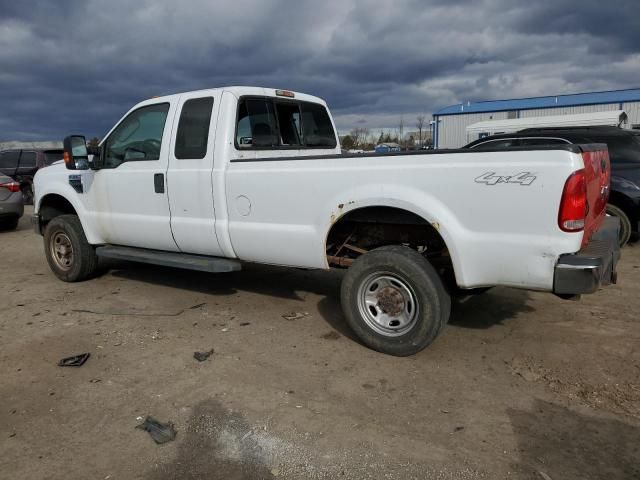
<point>285,93</point>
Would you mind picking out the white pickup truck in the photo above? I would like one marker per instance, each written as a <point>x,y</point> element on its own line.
<point>209,179</point>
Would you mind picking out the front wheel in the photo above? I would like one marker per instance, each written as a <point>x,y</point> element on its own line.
<point>625,223</point>
<point>68,253</point>
<point>394,300</point>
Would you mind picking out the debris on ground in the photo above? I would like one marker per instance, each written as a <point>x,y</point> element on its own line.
<point>75,361</point>
<point>244,324</point>
<point>202,356</point>
<point>332,335</point>
<point>295,316</point>
<point>195,307</point>
<point>160,432</point>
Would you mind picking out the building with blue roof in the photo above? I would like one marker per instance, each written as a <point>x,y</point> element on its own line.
<point>449,126</point>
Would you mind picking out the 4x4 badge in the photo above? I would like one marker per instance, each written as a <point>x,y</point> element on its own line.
<point>490,178</point>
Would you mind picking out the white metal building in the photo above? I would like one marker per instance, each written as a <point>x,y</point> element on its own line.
<point>449,126</point>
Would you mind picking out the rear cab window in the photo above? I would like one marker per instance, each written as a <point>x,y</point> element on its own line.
<point>266,123</point>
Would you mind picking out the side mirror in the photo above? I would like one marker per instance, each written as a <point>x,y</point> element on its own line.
<point>76,156</point>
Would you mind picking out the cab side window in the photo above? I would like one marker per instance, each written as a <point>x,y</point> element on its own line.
<point>138,137</point>
<point>193,128</point>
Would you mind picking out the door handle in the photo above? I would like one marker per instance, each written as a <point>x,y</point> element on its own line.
<point>158,182</point>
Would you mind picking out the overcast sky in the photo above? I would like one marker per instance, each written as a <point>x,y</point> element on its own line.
<point>76,66</point>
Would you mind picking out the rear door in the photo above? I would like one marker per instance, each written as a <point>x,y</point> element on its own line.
<point>189,177</point>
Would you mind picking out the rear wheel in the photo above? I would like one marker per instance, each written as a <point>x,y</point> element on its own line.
<point>68,253</point>
<point>394,300</point>
<point>625,223</point>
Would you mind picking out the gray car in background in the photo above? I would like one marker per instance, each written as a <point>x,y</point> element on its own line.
<point>11,203</point>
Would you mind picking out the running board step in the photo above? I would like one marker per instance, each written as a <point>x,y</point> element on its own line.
<point>170,259</point>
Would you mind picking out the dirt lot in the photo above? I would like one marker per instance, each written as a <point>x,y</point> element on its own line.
<point>520,384</point>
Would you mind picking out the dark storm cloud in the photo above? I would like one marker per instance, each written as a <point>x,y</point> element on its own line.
<point>76,66</point>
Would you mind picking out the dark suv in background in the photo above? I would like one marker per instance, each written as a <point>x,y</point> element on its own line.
<point>22,165</point>
<point>624,152</point>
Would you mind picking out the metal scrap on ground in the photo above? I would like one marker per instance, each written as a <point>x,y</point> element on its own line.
<point>202,356</point>
<point>295,315</point>
<point>75,361</point>
<point>160,432</point>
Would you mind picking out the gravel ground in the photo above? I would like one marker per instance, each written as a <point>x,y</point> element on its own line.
<point>520,385</point>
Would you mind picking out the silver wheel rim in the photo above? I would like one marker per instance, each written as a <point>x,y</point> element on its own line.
<point>61,250</point>
<point>387,303</point>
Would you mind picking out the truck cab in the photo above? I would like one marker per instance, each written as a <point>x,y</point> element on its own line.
<point>157,179</point>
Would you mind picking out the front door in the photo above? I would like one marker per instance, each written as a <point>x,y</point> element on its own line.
<point>129,191</point>
<point>189,179</point>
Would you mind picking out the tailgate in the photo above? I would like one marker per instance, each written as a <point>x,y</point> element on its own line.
<point>597,174</point>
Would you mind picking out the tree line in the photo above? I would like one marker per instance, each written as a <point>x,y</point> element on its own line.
<point>361,138</point>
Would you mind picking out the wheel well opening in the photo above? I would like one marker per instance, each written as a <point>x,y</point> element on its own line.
<point>52,206</point>
<point>368,228</point>
<point>626,205</point>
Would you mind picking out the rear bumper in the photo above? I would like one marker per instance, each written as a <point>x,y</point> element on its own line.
<point>592,267</point>
<point>12,206</point>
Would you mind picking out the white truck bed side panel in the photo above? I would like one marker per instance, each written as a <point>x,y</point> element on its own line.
<point>281,211</point>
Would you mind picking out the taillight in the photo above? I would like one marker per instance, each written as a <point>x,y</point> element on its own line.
<point>573,205</point>
<point>11,186</point>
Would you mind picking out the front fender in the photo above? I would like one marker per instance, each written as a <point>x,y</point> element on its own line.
<point>64,190</point>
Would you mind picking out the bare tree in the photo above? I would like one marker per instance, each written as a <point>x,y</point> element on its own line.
<point>420,126</point>
<point>401,131</point>
<point>360,136</point>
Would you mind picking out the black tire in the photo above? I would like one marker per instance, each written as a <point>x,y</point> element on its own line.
<point>82,262</point>
<point>27,194</point>
<point>625,224</point>
<point>7,224</point>
<point>404,272</point>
